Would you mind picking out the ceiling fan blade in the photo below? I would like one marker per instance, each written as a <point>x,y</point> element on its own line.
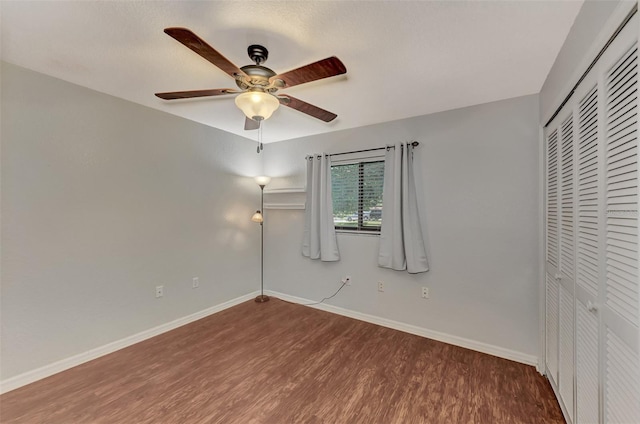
<point>250,124</point>
<point>198,45</point>
<point>173,95</point>
<point>304,107</point>
<point>324,68</point>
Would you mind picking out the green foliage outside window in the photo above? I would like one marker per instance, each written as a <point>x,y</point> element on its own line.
<point>357,195</point>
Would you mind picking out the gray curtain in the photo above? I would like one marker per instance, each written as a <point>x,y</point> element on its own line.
<point>319,240</point>
<point>401,238</point>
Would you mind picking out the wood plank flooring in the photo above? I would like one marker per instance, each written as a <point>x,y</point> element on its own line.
<point>277,363</point>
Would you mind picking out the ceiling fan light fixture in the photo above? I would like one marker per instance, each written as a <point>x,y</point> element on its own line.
<point>257,105</point>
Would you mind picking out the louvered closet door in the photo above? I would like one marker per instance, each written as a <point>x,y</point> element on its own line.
<point>561,269</point>
<point>552,256</point>
<point>592,251</point>
<point>588,246</point>
<point>620,330</point>
<point>567,266</point>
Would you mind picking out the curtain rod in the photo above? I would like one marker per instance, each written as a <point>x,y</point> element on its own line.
<point>593,62</point>
<point>413,143</point>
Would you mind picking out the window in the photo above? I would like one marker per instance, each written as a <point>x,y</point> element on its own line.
<point>357,195</point>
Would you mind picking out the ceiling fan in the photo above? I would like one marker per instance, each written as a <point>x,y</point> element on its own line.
<point>257,84</point>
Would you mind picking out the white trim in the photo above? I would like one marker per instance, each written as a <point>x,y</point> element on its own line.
<point>357,157</point>
<point>357,233</point>
<point>285,190</point>
<point>284,205</point>
<point>542,288</point>
<point>418,331</point>
<point>64,364</point>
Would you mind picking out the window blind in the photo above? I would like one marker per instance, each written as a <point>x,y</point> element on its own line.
<point>357,195</point>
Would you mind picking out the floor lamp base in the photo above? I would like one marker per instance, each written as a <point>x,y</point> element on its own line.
<point>262,298</point>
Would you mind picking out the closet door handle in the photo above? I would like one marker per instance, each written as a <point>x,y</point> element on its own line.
<point>592,307</point>
<point>558,276</point>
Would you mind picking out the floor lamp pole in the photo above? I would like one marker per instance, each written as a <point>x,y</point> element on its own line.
<point>262,298</point>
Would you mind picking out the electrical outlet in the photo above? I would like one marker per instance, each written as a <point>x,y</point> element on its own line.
<point>159,291</point>
<point>425,292</point>
<point>380,286</point>
<point>196,283</point>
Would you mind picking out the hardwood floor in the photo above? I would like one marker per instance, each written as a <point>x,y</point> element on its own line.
<point>278,363</point>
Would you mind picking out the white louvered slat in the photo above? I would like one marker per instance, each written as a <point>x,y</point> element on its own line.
<point>588,204</point>
<point>552,199</point>
<point>586,366</point>
<point>565,366</point>
<point>567,253</point>
<point>622,188</point>
<point>552,326</point>
<point>623,382</point>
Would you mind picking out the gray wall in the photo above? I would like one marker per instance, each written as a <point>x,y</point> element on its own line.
<point>480,174</point>
<point>102,200</point>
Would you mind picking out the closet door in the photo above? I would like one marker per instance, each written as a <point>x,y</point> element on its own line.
<point>589,245</point>
<point>552,257</point>
<point>592,251</point>
<point>563,172</point>
<point>567,267</point>
<point>561,269</point>
<point>620,330</point>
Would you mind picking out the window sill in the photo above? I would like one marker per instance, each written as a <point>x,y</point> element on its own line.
<point>358,233</point>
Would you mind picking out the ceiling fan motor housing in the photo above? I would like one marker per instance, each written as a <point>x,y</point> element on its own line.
<point>258,53</point>
<point>258,77</point>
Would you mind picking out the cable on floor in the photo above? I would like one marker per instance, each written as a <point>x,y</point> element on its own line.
<point>344,283</point>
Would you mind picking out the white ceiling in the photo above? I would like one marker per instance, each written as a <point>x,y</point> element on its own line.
<point>403,58</point>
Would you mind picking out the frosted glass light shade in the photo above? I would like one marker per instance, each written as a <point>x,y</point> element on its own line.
<point>257,105</point>
<point>257,217</point>
<point>262,180</point>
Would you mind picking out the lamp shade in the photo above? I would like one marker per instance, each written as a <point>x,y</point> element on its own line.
<point>257,217</point>
<point>263,180</point>
<point>257,105</point>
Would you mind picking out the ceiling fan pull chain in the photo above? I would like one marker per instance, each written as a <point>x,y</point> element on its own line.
<point>260,147</point>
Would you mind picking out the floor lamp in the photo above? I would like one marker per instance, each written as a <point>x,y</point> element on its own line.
<point>259,218</point>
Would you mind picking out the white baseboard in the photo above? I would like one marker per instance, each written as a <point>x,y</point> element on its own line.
<point>418,331</point>
<point>64,364</point>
